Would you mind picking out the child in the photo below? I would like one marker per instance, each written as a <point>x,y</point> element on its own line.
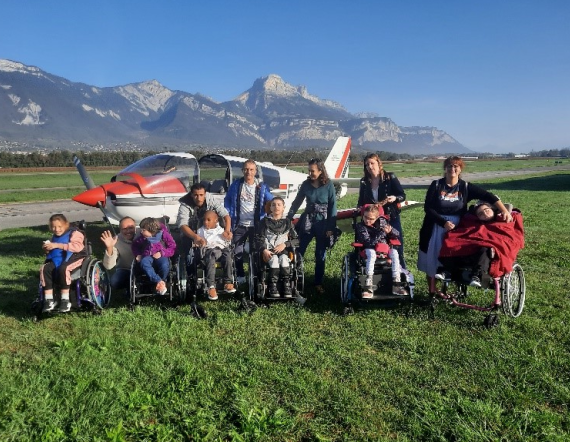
<point>65,252</point>
<point>371,231</point>
<point>477,256</point>
<point>274,234</point>
<point>215,247</point>
<point>153,249</point>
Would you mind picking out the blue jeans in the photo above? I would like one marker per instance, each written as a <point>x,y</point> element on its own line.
<point>318,231</point>
<point>156,269</point>
<point>121,279</point>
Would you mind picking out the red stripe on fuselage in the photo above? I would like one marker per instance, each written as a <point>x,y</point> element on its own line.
<point>343,161</point>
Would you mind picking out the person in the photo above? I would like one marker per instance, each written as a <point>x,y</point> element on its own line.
<point>153,249</point>
<point>245,203</point>
<point>190,218</point>
<point>373,232</point>
<point>482,242</point>
<point>445,203</point>
<point>273,237</point>
<point>383,188</point>
<point>118,253</point>
<point>64,253</point>
<point>215,246</point>
<point>319,218</point>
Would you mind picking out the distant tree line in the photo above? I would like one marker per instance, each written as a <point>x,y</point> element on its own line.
<point>120,159</point>
<point>565,152</point>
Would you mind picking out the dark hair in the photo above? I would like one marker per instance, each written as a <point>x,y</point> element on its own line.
<point>197,186</point>
<point>278,198</point>
<point>323,177</point>
<point>372,156</point>
<point>151,225</point>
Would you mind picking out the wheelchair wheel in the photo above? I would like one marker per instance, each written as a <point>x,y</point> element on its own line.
<point>513,292</point>
<point>98,284</point>
<point>252,278</point>
<point>344,280</point>
<point>134,288</point>
<point>181,280</point>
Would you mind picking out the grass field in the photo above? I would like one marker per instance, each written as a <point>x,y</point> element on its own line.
<point>287,373</point>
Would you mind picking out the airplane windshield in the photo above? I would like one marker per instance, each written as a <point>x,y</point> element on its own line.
<point>165,166</point>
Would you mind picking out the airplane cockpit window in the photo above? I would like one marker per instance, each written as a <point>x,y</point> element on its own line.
<point>166,166</point>
<point>270,177</point>
<point>214,173</point>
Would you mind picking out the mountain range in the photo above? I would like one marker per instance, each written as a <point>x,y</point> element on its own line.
<point>40,110</point>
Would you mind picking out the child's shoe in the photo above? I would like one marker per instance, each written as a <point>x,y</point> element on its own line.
<point>367,293</point>
<point>273,290</point>
<point>64,306</point>
<point>443,276</point>
<point>287,292</point>
<point>49,305</point>
<point>397,289</point>
<point>212,294</point>
<point>475,282</point>
<point>161,288</point>
<point>229,288</point>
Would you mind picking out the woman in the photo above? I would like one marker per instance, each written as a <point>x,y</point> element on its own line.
<point>383,188</point>
<point>319,218</point>
<point>445,203</point>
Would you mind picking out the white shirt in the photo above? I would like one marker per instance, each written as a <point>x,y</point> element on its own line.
<point>213,237</point>
<point>247,204</point>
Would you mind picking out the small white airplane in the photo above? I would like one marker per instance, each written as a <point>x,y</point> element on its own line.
<point>153,186</point>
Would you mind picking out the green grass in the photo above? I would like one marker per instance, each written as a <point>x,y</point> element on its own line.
<point>287,373</point>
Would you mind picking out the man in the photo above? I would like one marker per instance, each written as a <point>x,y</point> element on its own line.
<point>245,203</point>
<point>193,207</point>
<point>118,254</point>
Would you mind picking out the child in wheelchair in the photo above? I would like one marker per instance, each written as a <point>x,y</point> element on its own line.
<point>215,248</point>
<point>374,232</point>
<point>274,237</point>
<point>153,250</point>
<point>65,252</point>
<point>473,244</point>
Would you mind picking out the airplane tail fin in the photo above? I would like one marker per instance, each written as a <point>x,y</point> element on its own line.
<point>337,161</point>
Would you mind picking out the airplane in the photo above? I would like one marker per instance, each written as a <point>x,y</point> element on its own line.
<point>153,185</point>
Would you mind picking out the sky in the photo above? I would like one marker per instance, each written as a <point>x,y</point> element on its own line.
<point>493,74</point>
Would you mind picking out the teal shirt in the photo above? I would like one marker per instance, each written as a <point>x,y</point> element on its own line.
<point>317,195</point>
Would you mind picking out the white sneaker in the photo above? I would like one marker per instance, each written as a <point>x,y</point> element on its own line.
<point>367,294</point>
<point>442,276</point>
<point>241,280</point>
<point>64,306</point>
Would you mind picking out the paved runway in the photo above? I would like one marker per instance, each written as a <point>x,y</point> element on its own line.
<point>37,214</point>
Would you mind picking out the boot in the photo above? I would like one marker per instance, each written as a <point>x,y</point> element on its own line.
<point>273,280</point>
<point>286,278</point>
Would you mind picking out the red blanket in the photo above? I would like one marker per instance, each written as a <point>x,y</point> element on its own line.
<point>471,234</point>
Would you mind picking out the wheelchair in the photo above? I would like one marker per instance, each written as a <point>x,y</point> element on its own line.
<point>196,274</point>
<point>509,288</point>
<point>90,288</point>
<point>258,276</point>
<point>141,286</point>
<point>353,277</point>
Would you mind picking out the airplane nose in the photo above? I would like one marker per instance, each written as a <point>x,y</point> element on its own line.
<point>91,197</point>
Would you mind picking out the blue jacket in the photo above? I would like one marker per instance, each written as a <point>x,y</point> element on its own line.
<point>232,201</point>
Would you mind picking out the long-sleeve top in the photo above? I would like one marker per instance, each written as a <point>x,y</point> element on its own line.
<point>442,200</point>
<point>232,200</point>
<point>272,232</point>
<point>213,237</point>
<point>148,247</point>
<point>192,216</point>
<point>389,185</point>
<point>369,236</point>
<point>121,256</point>
<point>316,196</point>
